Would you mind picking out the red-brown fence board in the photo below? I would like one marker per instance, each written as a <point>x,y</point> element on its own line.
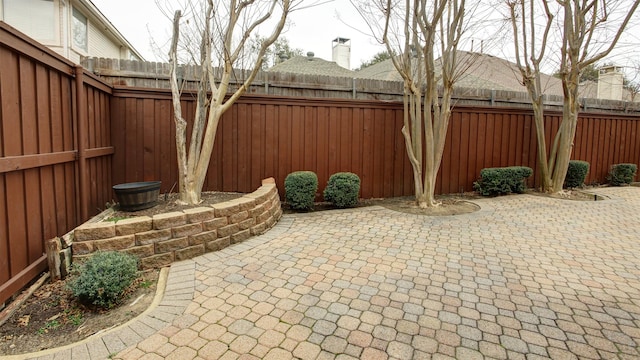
<point>39,177</point>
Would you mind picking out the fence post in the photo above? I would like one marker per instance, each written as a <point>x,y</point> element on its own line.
<point>81,108</point>
<point>353,86</point>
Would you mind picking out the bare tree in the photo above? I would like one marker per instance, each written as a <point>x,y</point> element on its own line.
<point>278,51</point>
<point>529,52</point>
<point>223,32</point>
<point>417,30</point>
<point>587,34</point>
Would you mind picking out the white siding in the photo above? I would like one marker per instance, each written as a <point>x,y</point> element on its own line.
<point>100,45</point>
<point>38,19</point>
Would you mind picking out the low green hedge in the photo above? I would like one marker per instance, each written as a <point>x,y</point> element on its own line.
<point>622,174</point>
<point>300,189</point>
<point>504,180</point>
<point>576,173</point>
<point>342,189</point>
<point>102,280</point>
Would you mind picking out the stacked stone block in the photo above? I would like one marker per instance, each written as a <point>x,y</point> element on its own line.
<point>164,238</point>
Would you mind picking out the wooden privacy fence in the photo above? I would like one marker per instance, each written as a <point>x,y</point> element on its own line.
<point>267,136</point>
<point>55,153</point>
<point>66,137</point>
<point>155,75</point>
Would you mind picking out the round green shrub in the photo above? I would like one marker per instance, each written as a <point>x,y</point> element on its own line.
<point>576,173</point>
<point>300,189</point>
<point>622,174</point>
<point>103,278</point>
<point>503,180</point>
<point>342,189</point>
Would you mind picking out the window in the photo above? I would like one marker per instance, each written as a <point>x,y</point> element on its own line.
<point>80,31</point>
<point>35,18</point>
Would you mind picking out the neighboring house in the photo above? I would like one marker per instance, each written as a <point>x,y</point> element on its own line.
<point>610,86</point>
<point>477,71</point>
<point>483,71</point>
<point>311,65</point>
<point>72,28</point>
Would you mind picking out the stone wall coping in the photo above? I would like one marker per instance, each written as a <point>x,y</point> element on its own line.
<point>169,215</point>
<point>133,220</point>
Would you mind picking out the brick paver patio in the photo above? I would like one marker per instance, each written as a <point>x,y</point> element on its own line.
<point>525,278</point>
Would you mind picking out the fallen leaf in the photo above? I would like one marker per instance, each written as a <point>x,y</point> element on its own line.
<point>24,321</point>
<point>44,294</point>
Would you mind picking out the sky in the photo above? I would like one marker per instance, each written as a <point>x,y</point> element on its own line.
<point>313,29</point>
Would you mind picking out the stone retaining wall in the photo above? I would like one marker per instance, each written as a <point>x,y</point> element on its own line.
<point>164,238</point>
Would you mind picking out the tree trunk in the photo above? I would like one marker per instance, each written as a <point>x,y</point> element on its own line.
<point>212,90</point>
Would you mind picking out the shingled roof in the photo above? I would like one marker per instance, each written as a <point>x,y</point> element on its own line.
<point>311,65</point>
<point>479,71</point>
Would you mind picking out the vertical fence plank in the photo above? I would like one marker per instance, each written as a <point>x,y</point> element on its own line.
<point>5,266</point>
<point>473,170</point>
<point>513,140</point>
<point>367,151</point>
<point>346,138</point>
<point>244,148</point>
<point>323,146</point>
<point>310,137</point>
<point>17,222</point>
<point>271,144</point>
<point>297,138</point>
<point>458,153</point>
<point>256,122</point>
<point>148,147</point>
<point>482,142</point>
<point>399,155</point>
<point>602,142</point>
<point>378,151</point>
<point>333,140</point>
<point>635,147</point>
<point>465,166</point>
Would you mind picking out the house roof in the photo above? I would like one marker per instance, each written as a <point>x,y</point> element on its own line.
<point>310,65</point>
<point>477,71</point>
<point>504,74</point>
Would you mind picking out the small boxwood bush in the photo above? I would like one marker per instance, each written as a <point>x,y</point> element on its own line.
<point>576,173</point>
<point>300,189</point>
<point>103,278</point>
<point>342,189</point>
<point>622,174</point>
<point>500,181</point>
